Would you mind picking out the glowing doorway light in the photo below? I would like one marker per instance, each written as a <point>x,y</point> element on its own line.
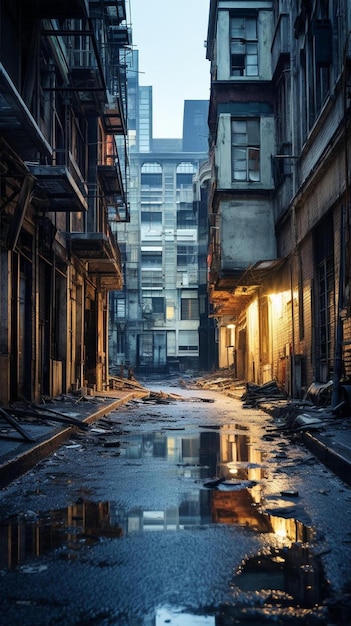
<point>276,302</point>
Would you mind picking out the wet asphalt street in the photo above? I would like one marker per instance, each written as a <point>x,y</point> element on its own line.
<point>187,512</point>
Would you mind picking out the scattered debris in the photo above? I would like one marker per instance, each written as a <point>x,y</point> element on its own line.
<point>304,421</point>
<point>36,412</point>
<point>290,493</point>
<point>112,444</point>
<point>13,422</point>
<point>117,382</point>
<point>320,394</point>
<point>160,397</point>
<point>218,381</point>
<point>236,485</point>
<point>255,394</point>
<point>230,484</point>
<point>212,484</point>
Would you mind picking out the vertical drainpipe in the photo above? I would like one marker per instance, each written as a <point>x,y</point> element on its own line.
<point>36,358</point>
<point>345,246</point>
<point>53,335</point>
<point>339,323</point>
<point>294,187</point>
<point>292,352</point>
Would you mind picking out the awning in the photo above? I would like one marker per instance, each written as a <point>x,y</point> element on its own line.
<point>232,290</point>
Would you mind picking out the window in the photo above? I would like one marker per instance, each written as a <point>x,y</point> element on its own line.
<point>185,174</point>
<point>188,341</point>
<point>158,305</point>
<point>120,308</point>
<point>151,269</point>
<point>246,150</point>
<point>155,306</point>
<point>243,46</point>
<point>316,61</point>
<point>151,259</point>
<point>151,176</point>
<point>186,255</point>
<point>189,309</point>
<point>145,348</point>
<point>186,217</point>
<point>151,218</point>
<point>151,279</point>
<point>117,306</point>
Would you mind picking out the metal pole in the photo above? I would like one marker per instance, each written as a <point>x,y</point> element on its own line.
<point>339,323</point>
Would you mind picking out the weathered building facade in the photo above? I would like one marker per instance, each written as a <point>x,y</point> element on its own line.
<point>208,353</point>
<point>62,105</point>
<point>279,260</point>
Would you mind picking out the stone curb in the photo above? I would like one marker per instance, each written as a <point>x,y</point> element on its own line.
<point>335,457</point>
<point>16,466</point>
<point>332,458</point>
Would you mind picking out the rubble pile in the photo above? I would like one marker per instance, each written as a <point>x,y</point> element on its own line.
<point>160,397</point>
<point>119,382</point>
<point>216,381</point>
<point>256,394</point>
<point>313,412</point>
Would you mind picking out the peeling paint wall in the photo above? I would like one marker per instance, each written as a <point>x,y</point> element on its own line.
<point>248,233</point>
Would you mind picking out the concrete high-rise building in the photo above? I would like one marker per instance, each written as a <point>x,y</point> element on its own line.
<point>155,318</point>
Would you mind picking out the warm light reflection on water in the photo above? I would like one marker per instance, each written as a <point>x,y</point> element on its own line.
<point>227,452</point>
<point>285,578</point>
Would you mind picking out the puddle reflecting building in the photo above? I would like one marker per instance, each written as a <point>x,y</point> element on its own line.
<point>279,258</point>
<point>63,183</point>
<point>228,452</point>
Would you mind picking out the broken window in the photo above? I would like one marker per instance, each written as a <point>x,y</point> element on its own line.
<point>243,46</point>
<point>246,150</point>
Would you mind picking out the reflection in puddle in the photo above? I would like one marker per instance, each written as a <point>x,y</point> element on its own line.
<point>84,523</point>
<point>294,575</point>
<point>284,585</point>
<point>227,453</point>
<point>285,577</point>
<point>79,525</point>
<point>178,617</point>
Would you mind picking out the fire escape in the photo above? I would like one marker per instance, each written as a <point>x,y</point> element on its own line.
<point>86,39</point>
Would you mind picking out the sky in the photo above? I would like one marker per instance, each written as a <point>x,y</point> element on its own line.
<point>170,36</point>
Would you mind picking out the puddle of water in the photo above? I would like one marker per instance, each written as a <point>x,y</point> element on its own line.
<point>227,452</point>
<point>181,617</point>
<point>84,523</point>
<point>287,578</point>
<point>73,528</point>
<point>291,576</point>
